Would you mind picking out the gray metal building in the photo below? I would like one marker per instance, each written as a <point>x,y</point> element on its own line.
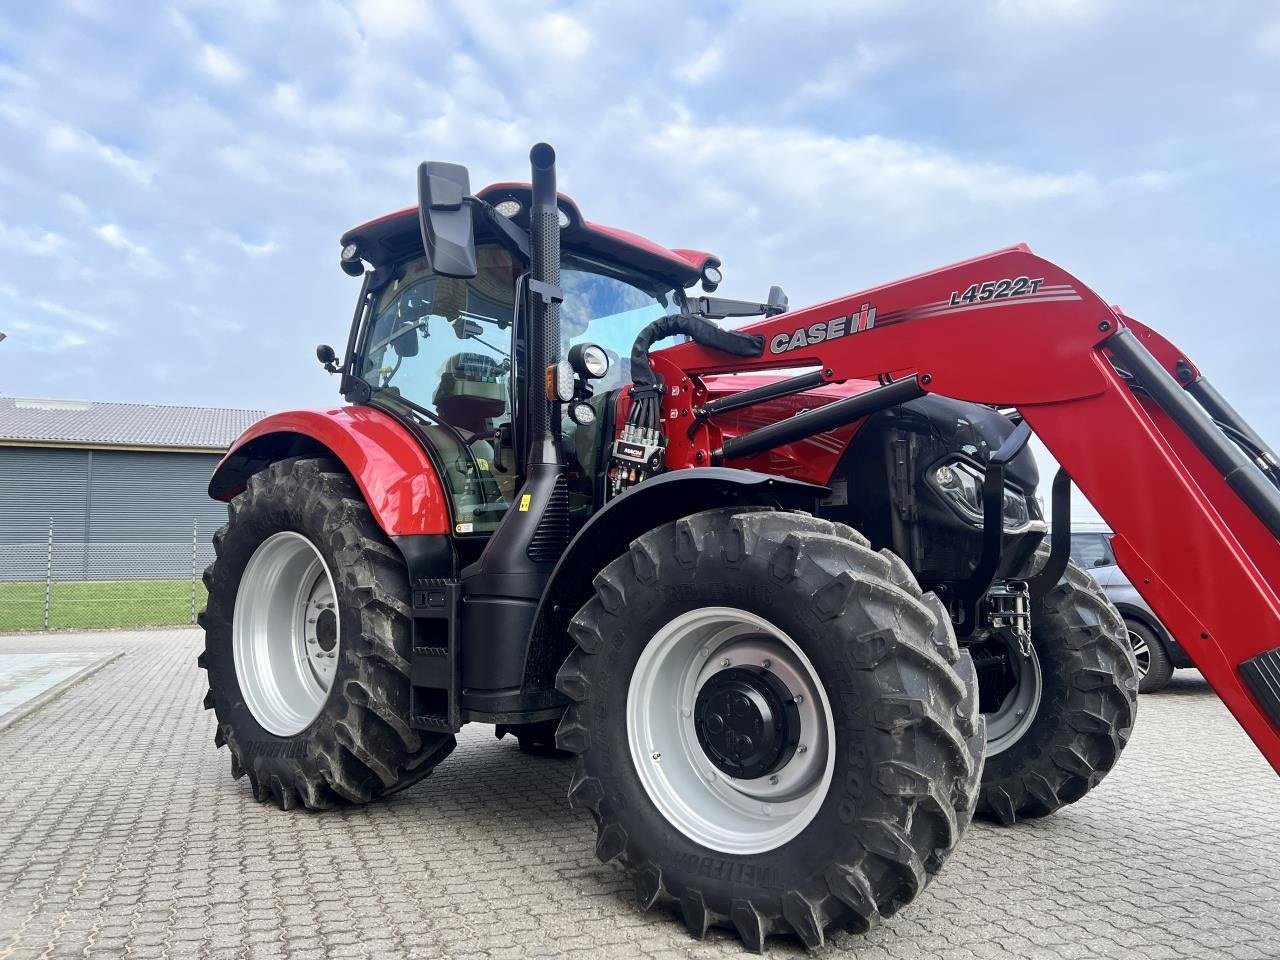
<point>122,485</point>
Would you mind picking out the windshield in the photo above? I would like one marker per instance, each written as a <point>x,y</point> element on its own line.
<point>608,305</point>
<point>445,345</point>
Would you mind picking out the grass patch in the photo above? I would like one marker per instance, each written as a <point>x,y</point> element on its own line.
<point>90,604</point>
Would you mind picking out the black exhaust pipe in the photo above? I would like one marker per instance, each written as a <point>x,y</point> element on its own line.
<point>544,289</point>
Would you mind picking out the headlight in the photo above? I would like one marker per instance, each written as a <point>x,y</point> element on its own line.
<point>509,208</point>
<point>960,484</point>
<point>590,361</point>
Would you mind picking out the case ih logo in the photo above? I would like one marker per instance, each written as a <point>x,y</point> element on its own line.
<point>832,329</point>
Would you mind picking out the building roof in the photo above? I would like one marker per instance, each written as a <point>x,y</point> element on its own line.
<point>63,423</point>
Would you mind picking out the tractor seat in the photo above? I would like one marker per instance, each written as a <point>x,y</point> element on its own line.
<point>471,391</point>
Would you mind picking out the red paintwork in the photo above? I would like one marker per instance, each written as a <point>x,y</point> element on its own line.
<point>1207,566</point>
<point>388,464</point>
<point>683,260</point>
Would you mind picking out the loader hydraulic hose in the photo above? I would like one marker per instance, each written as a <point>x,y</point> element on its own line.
<point>1242,474</point>
<point>646,409</point>
<point>819,420</point>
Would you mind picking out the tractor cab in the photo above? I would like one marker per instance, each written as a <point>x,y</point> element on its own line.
<point>449,356</point>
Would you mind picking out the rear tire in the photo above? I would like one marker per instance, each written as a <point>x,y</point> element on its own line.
<point>1084,713</point>
<point>897,768</point>
<point>1154,667</point>
<point>345,742</point>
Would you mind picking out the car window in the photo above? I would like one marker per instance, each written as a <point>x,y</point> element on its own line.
<point>1091,550</point>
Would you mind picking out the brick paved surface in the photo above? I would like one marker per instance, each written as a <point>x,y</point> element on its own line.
<point>122,833</point>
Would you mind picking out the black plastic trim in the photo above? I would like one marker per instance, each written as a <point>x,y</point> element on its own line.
<point>1262,675</point>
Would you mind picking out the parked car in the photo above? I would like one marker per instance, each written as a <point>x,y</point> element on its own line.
<point>1157,653</point>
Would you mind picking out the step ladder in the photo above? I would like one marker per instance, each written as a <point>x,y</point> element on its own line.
<point>435,674</point>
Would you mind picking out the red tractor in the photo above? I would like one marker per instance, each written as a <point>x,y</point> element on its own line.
<point>785,591</point>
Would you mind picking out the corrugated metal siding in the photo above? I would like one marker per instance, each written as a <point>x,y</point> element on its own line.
<point>118,515</point>
<point>150,497</point>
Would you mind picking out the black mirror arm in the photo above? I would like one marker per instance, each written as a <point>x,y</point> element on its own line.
<point>509,235</point>
<point>718,308</point>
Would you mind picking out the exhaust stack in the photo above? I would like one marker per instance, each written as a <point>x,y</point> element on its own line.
<point>545,297</point>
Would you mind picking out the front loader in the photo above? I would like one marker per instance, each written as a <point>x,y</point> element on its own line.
<point>785,591</point>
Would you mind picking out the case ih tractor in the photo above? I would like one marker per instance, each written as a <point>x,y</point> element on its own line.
<point>783,590</point>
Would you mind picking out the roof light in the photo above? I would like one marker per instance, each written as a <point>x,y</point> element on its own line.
<point>562,217</point>
<point>509,208</point>
<point>349,260</point>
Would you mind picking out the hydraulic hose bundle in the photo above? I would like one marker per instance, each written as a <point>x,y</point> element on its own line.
<point>639,450</point>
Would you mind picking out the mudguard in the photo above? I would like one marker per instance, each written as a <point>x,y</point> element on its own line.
<point>397,478</point>
<point>609,532</point>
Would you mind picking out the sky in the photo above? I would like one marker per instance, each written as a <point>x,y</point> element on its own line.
<point>173,182</point>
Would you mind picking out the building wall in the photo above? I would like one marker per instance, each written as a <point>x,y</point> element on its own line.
<point>117,515</point>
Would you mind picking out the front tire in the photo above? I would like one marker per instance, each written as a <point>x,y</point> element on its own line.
<point>840,652</point>
<point>308,636</point>
<point>1082,712</point>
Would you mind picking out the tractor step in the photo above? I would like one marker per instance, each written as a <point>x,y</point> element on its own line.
<point>434,673</point>
<point>1262,674</point>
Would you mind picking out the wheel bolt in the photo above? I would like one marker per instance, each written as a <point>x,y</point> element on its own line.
<point>724,662</point>
<point>767,663</point>
<point>657,756</point>
<point>799,698</point>
<point>1022,713</point>
<point>801,749</point>
<point>774,779</point>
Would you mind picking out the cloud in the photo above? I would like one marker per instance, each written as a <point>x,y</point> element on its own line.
<point>705,64</point>
<point>219,65</point>
<point>33,242</point>
<point>184,178</point>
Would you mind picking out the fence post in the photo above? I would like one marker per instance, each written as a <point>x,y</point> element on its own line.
<point>194,522</point>
<point>48,575</point>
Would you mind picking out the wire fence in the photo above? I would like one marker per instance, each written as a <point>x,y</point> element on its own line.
<point>63,584</point>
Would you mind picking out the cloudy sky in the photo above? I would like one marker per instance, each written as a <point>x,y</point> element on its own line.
<point>173,182</point>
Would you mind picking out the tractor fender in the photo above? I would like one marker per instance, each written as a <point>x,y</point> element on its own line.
<point>397,478</point>
<point>610,531</point>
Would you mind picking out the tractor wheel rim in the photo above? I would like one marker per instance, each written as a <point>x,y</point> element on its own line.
<point>1141,653</point>
<point>1017,711</point>
<point>666,702</point>
<point>285,633</point>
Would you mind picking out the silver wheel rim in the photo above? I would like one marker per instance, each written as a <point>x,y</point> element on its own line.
<point>285,633</point>
<point>1141,653</point>
<point>1008,722</point>
<point>708,806</point>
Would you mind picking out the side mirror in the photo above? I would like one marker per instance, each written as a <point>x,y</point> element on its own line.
<point>406,344</point>
<point>324,353</point>
<point>466,329</point>
<point>777,301</point>
<point>445,218</point>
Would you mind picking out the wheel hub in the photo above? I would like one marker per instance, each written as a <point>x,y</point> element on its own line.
<point>747,722</point>
<point>285,633</point>
<point>730,730</point>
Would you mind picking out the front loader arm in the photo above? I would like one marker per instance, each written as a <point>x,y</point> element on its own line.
<point>1195,530</point>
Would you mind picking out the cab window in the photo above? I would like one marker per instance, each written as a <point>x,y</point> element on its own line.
<point>445,345</point>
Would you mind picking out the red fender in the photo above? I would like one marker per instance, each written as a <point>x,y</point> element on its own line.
<point>398,480</point>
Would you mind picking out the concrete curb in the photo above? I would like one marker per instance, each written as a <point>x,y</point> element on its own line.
<point>24,710</point>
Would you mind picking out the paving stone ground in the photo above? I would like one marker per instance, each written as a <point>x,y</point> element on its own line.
<point>122,833</point>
